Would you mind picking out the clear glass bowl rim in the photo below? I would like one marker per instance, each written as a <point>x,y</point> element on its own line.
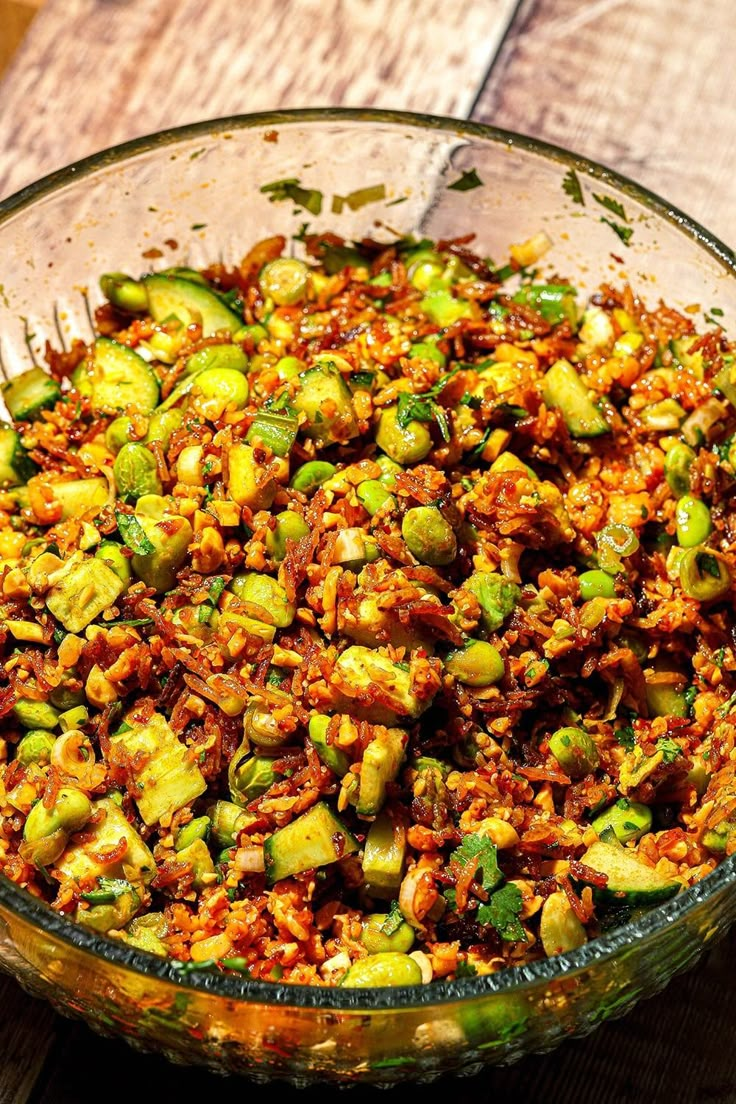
<point>334,1000</point>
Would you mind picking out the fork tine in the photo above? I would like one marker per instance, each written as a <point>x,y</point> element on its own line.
<point>59,331</point>
<point>28,338</point>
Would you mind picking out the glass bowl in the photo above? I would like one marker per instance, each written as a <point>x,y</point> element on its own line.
<point>190,195</point>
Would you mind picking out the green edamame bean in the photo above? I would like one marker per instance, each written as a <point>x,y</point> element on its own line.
<point>124,292</point>
<point>497,596</point>
<point>163,424</point>
<point>112,553</point>
<point>693,521</point>
<point>312,475</point>
<point>429,536</point>
<point>404,444</point>
<point>252,777</point>
<point>35,714</point>
<point>424,267</point>
<point>119,433</point>
<point>63,696</point>
<point>231,357</point>
<point>704,575</point>
<point>289,367</point>
<point>376,941</point>
<point>373,496</point>
<point>197,829</point>
<point>35,747</point>
<point>574,750</point>
<point>596,584</point>
<point>289,526</point>
<point>428,351</point>
<point>384,968</point>
<point>677,463</point>
<point>70,812</point>
<point>136,472</point>
<point>262,590</point>
<point>227,384</point>
<point>285,280</point>
<point>630,820</point>
<point>389,470</point>
<point>477,664</point>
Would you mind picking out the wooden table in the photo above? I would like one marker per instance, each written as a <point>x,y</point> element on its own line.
<point>642,85</point>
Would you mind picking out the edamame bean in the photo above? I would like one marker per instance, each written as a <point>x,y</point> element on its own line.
<point>373,496</point>
<point>428,351</point>
<point>35,747</point>
<point>429,536</point>
<point>136,472</point>
<point>677,462</point>
<point>285,280</point>
<point>389,470</point>
<point>385,968</point>
<point>252,777</point>
<point>289,367</point>
<point>289,526</point>
<point>629,820</point>
<point>70,812</point>
<point>119,433</point>
<point>693,521</point>
<point>312,475</point>
<point>477,664</point>
<point>596,584</point>
<point>377,941</point>
<point>230,357</point>
<point>497,597</point>
<point>197,829</point>
<point>226,384</point>
<point>574,750</point>
<point>425,267</point>
<point>262,590</point>
<point>163,424</point>
<point>35,714</point>
<point>405,444</point>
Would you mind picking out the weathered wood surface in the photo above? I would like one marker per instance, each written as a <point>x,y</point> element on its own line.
<point>643,87</point>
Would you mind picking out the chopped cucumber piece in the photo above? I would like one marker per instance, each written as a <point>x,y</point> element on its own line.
<point>85,591</point>
<point>115,378</point>
<point>324,397</point>
<point>29,393</point>
<point>78,496</point>
<point>564,390</point>
<point>316,838</point>
<point>168,779</point>
<point>384,857</point>
<point>16,465</point>
<point>381,763</point>
<point>189,302</point>
<point>103,834</point>
<point>333,757</point>
<point>629,880</point>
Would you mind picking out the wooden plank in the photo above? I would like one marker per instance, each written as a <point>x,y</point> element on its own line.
<point>644,88</point>
<point>28,1029</point>
<point>92,73</point>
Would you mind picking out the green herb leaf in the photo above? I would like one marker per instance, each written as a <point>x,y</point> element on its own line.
<point>626,737</point>
<point>291,189</point>
<point>612,205</point>
<point>669,748</point>
<point>465,969</point>
<point>466,182</point>
<point>487,871</point>
<point>133,533</point>
<point>624,232</point>
<point>571,185</point>
<point>108,891</point>
<point>359,198</point>
<point>502,913</point>
<point>393,921</point>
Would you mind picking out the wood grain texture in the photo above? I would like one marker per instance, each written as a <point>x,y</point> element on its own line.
<point>28,1029</point>
<point>646,88</point>
<point>96,72</point>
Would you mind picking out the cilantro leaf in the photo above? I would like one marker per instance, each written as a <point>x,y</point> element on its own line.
<point>571,185</point>
<point>626,737</point>
<point>466,182</point>
<point>487,871</point>
<point>624,232</point>
<point>612,205</point>
<point>393,921</point>
<point>502,912</point>
<point>465,969</point>
<point>133,533</point>
<point>670,749</point>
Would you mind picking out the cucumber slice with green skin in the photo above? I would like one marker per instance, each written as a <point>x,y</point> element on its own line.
<point>382,760</point>
<point>630,881</point>
<point>189,302</point>
<point>116,378</point>
<point>16,465</point>
<point>316,838</point>
<point>26,395</point>
<point>384,856</point>
<point>333,757</point>
<point>325,398</point>
<point>564,390</point>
